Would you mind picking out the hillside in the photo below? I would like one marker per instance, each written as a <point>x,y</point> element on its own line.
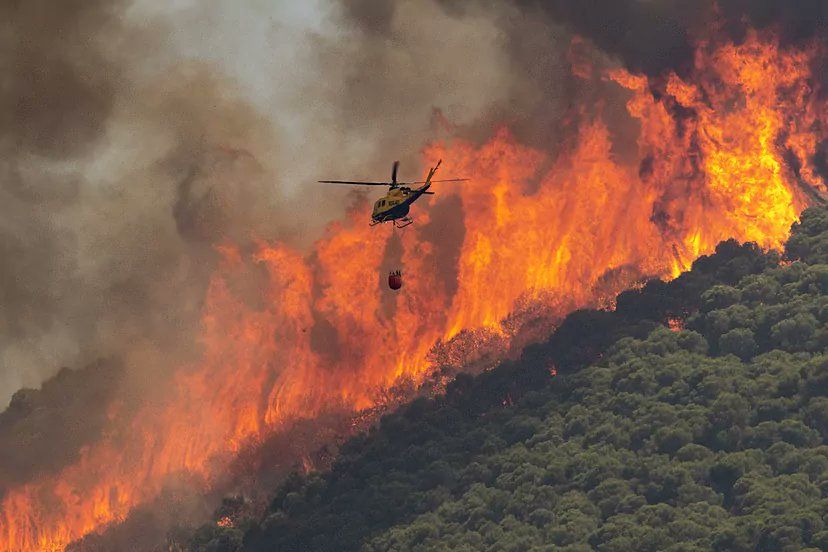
<point>44,429</point>
<point>693,417</point>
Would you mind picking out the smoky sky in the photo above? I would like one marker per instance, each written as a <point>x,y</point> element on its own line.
<point>134,136</point>
<point>56,94</point>
<point>646,36</point>
<point>109,199</point>
<point>649,36</point>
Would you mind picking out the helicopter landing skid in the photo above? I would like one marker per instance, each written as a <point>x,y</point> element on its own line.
<point>396,222</point>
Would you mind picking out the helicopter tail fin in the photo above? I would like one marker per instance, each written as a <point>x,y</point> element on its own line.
<point>431,173</point>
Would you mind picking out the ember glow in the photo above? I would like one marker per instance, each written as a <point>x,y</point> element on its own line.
<point>711,164</point>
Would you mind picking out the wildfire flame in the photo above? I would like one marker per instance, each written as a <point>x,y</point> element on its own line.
<point>710,166</point>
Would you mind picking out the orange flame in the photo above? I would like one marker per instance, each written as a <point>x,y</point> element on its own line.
<point>710,166</point>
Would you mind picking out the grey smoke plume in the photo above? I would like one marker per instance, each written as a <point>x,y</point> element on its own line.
<point>56,93</point>
<point>133,136</point>
<point>94,153</point>
<point>93,262</point>
<point>653,36</point>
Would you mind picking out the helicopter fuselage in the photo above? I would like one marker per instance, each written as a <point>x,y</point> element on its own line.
<point>396,204</point>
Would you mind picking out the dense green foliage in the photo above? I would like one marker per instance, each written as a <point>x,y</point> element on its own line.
<point>709,438</point>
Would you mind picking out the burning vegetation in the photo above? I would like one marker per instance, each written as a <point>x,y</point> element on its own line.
<point>726,148</point>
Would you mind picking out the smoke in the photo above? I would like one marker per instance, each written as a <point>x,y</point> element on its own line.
<point>794,21</point>
<point>649,36</point>
<point>539,37</point>
<point>655,36</point>
<point>646,36</point>
<point>56,95</point>
<point>501,63</point>
<point>43,429</point>
<point>136,136</point>
<point>99,256</point>
<point>129,147</point>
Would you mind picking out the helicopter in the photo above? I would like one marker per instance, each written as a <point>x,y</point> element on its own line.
<point>395,205</point>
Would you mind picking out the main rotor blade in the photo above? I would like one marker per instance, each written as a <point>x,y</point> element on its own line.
<point>354,182</point>
<point>394,172</point>
<point>446,180</point>
<point>359,183</point>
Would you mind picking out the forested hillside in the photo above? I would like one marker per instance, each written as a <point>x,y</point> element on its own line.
<point>693,417</point>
